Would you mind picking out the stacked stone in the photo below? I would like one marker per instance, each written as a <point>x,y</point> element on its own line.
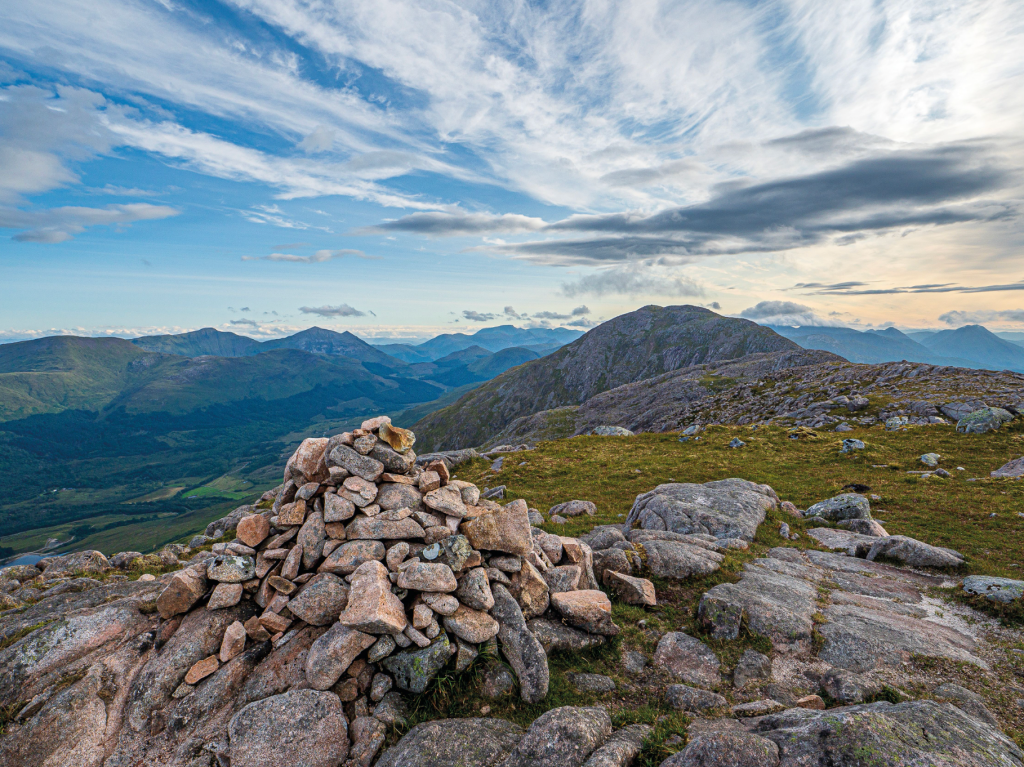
<point>406,566</point>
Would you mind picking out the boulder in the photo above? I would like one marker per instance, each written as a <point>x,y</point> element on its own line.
<point>185,588</point>
<point>454,743</point>
<point>475,590</point>
<point>372,608</point>
<point>673,559</point>
<point>522,649</point>
<point>253,529</point>
<point>562,737</point>
<point>332,653</point>
<point>474,626</point>
<point>231,569</point>
<point>507,530</point>
<point>688,659</point>
<point>589,610</point>
<point>349,556</point>
<point>1003,590</point>
<point>727,749</point>
<point>413,668</point>
<point>300,727</point>
<point>984,420</point>
<point>621,748</point>
<point>727,508</point>
<point>355,464</point>
<point>682,697</point>
<point>427,576</point>
<point>574,508</point>
<point>845,506</point>
<point>399,439</point>
<point>321,600</point>
<point>1012,469</point>
<point>399,496</point>
<point>555,635</point>
<point>909,551</point>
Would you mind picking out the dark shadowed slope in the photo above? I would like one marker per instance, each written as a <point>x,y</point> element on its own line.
<point>634,346</point>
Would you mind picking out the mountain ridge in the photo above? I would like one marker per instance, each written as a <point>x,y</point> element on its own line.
<point>628,348</point>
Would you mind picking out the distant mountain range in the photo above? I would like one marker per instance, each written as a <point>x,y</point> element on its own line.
<point>971,346</point>
<point>114,419</point>
<point>539,340</point>
<point>219,343</point>
<point>632,347</point>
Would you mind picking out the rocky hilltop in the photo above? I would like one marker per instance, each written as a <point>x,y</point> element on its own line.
<point>315,627</point>
<point>801,388</point>
<point>632,347</point>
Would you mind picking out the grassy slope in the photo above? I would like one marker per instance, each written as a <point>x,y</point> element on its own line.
<point>611,471</point>
<point>61,373</point>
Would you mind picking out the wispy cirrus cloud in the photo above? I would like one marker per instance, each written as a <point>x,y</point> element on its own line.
<point>862,289</point>
<point>319,257</point>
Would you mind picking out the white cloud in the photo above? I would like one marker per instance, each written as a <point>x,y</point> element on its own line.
<point>785,313</point>
<point>342,310</point>
<point>60,224</point>
<point>634,281</point>
<point>320,140</point>
<point>957,318</point>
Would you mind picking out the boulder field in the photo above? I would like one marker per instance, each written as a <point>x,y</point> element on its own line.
<point>304,640</point>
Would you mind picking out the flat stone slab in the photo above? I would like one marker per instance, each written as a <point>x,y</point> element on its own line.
<point>843,540</point>
<point>859,639</point>
<point>872,619</point>
<point>920,732</point>
<point>672,559</point>
<point>726,508</point>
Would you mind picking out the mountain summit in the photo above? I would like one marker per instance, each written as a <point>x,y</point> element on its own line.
<point>628,348</point>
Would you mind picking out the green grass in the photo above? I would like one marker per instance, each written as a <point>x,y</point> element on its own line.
<point>158,495</point>
<point>612,471</point>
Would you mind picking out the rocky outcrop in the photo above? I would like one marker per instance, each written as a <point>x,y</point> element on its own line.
<point>284,645</point>
<point>727,508</point>
<point>631,347</point>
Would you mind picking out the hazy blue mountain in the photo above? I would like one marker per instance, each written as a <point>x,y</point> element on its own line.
<point>980,345</point>
<point>405,352</point>
<point>497,338</point>
<point>199,343</point>
<point>920,335</point>
<point>321,341</point>
<point>868,347</point>
<point>472,365</point>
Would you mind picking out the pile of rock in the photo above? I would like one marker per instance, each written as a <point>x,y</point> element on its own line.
<point>408,567</point>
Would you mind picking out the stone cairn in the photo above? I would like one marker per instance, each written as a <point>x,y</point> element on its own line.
<point>407,566</point>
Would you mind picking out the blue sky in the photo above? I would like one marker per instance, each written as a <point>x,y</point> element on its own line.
<point>401,169</point>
